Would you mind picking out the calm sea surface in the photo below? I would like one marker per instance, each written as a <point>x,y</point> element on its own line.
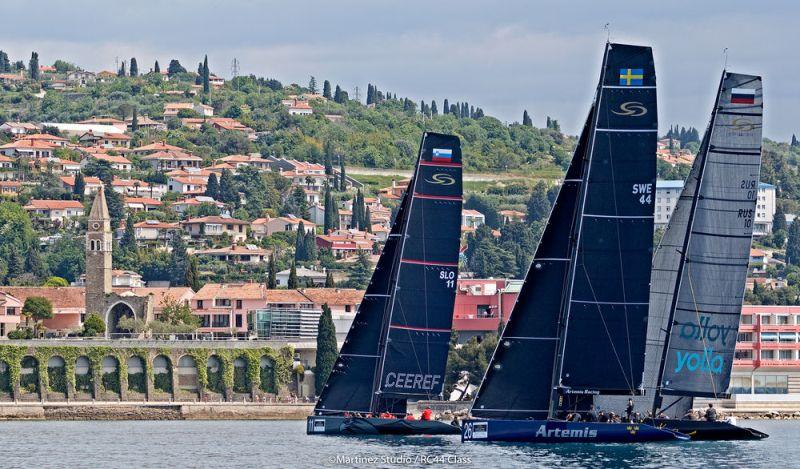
<point>253,444</point>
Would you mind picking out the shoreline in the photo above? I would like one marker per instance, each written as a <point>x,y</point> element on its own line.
<point>153,411</point>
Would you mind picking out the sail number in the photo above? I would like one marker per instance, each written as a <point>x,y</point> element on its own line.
<point>449,278</point>
<point>751,186</point>
<point>645,193</point>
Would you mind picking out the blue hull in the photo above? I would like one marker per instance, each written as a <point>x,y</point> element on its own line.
<point>554,431</point>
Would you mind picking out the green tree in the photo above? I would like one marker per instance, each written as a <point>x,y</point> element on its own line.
<point>312,85</point>
<point>329,282</point>
<point>293,282</point>
<point>15,263</point>
<point>206,87</point>
<point>328,151</point>
<point>526,119</point>
<point>779,220</point>
<point>135,120</point>
<point>538,204</point>
<point>326,89</point>
<point>300,244</point>
<point>330,222</point>
<point>228,192</point>
<point>272,273</point>
<point>34,264</point>
<point>93,325</point>
<point>212,188</point>
<point>37,308</point>
<point>67,258</point>
<point>792,245</point>
<point>55,282</point>
<point>193,274</point>
<point>342,175</point>
<point>175,68</point>
<point>134,68</point>
<point>327,349</point>
<point>179,261</point>
<point>360,271</point>
<point>128,242</point>
<point>367,221</point>
<point>33,66</point>
<point>310,245</point>
<point>156,67</point>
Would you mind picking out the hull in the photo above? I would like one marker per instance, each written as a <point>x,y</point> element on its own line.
<point>337,425</point>
<point>554,431</point>
<point>709,431</point>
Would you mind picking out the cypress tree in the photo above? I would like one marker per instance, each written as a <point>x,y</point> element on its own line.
<point>135,120</point>
<point>206,87</point>
<point>33,66</point>
<point>446,108</point>
<point>329,283</point>
<point>300,244</point>
<point>434,109</point>
<point>80,186</point>
<point>327,349</point>
<point>121,72</point>
<point>367,221</point>
<point>792,245</point>
<point>128,242</point>
<point>328,157</point>
<point>272,273</point>
<point>342,175</point>
<point>794,141</point>
<point>156,67</point>
<point>369,94</point>
<point>15,263</point>
<point>311,245</point>
<point>337,95</point>
<point>312,85</point>
<point>178,261</point>
<point>34,264</point>
<point>326,89</point>
<point>134,69</point>
<point>526,119</point>
<point>293,281</point>
<point>328,223</point>
<point>192,275</point>
<point>228,192</point>
<point>779,221</point>
<point>212,188</point>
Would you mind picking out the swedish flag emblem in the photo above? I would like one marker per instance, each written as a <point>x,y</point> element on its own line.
<point>631,76</point>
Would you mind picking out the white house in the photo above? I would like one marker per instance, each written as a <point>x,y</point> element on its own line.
<point>303,275</point>
<point>263,227</point>
<point>55,209</point>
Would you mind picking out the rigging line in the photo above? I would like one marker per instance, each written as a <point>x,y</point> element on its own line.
<point>605,326</point>
<point>702,336</point>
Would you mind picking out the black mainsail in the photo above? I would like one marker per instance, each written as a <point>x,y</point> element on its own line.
<point>701,264</point>
<point>579,324</point>
<point>397,346</point>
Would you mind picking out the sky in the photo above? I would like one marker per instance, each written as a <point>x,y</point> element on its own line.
<point>504,56</point>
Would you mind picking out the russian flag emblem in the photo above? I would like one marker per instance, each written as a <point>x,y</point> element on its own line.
<point>743,96</point>
<point>442,155</point>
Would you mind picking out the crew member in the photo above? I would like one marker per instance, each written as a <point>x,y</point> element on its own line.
<point>591,415</point>
<point>426,414</point>
<point>629,410</point>
<point>711,413</point>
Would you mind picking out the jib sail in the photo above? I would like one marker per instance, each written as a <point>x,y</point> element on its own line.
<point>709,290</point>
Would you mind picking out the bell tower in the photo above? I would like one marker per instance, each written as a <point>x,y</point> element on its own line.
<point>98,256</point>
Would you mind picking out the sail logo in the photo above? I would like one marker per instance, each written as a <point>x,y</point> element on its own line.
<point>412,381</point>
<point>705,331</point>
<point>742,125</point>
<point>441,179</point>
<point>645,193</point>
<point>544,432</point>
<point>631,76</point>
<point>708,362</point>
<point>631,109</point>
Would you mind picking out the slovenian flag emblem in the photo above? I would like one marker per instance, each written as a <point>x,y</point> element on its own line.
<point>442,155</point>
<point>743,96</point>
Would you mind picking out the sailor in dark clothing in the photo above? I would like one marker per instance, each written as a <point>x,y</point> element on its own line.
<point>591,415</point>
<point>602,417</point>
<point>711,413</point>
<point>629,410</point>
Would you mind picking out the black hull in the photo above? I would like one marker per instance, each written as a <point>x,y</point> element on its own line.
<point>702,430</point>
<point>336,425</point>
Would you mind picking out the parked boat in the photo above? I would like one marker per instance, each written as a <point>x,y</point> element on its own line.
<point>579,324</point>
<point>700,266</point>
<point>397,347</point>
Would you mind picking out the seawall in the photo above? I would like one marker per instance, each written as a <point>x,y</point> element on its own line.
<point>153,411</point>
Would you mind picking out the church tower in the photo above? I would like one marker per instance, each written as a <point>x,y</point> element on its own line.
<point>98,256</point>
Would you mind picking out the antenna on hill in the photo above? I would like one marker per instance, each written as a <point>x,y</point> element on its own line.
<point>356,94</point>
<point>725,58</point>
<point>116,63</point>
<point>607,28</point>
<point>234,71</point>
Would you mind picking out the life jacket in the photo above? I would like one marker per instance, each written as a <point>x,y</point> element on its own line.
<point>426,414</point>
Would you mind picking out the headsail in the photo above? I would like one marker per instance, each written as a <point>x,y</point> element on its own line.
<point>708,294</point>
<point>403,324</point>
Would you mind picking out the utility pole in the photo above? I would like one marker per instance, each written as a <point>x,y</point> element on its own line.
<point>234,71</point>
<point>356,94</point>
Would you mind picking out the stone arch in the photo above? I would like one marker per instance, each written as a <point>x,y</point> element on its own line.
<point>137,376</point>
<point>241,379</point>
<point>162,374</point>
<point>110,377</point>
<point>57,375</point>
<point>29,375</point>
<point>6,386</point>
<point>214,373</point>
<point>266,374</point>
<point>84,378</point>
<point>187,374</point>
<point>116,312</point>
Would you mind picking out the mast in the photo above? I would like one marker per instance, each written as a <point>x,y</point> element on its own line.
<point>575,236</point>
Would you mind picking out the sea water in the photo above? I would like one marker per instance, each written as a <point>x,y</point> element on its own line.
<point>284,444</point>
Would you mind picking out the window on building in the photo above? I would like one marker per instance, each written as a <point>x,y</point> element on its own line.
<point>769,337</point>
<point>740,385</point>
<point>743,355</point>
<point>221,320</point>
<point>744,337</point>
<point>785,354</point>
<point>238,304</point>
<point>199,304</point>
<point>783,319</point>
<point>205,320</point>
<point>222,302</point>
<point>238,320</point>
<point>770,384</point>
<point>484,311</point>
<point>768,355</point>
<point>348,308</point>
<point>765,319</point>
<point>746,319</point>
<point>787,337</point>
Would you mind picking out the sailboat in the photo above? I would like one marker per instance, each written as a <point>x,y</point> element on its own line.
<point>578,327</point>
<point>700,266</point>
<point>396,349</point>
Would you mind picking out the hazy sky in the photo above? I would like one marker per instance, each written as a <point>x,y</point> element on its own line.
<point>504,55</point>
